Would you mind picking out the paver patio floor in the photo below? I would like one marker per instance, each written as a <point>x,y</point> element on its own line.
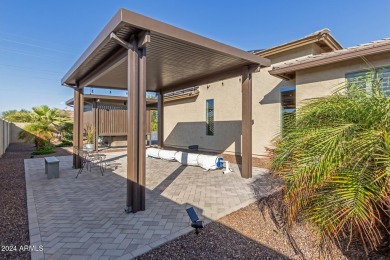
<point>84,218</point>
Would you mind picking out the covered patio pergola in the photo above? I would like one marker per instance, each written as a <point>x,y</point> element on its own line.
<point>107,115</point>
<point>139,54</point>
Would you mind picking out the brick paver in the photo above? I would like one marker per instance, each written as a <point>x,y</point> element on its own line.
<point>84,217</point>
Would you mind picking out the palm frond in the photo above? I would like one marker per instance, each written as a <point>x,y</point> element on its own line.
<point>335,161</point>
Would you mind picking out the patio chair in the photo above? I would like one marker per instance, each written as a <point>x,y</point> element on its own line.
<point>90,159</point>
<point>195,221</point>
<point>100,140</point>
<point>103,145</point>
<point>84,159</point>
<point>97,160</point>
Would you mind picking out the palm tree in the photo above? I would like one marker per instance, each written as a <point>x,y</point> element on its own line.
<point>335,162</point>
<point>43,122</point>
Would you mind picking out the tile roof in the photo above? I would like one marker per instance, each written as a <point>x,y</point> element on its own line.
<point>351,52</point>
<point>317,36</point>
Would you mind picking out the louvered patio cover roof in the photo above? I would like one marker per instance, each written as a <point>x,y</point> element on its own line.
<point>174,56</point>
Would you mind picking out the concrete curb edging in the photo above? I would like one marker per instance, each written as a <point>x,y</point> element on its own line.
<point>33,225</point>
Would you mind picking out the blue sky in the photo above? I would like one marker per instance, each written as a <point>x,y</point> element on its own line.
<point>41,40</point>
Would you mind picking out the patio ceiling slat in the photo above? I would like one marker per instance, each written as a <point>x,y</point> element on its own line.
<point>174,55</point>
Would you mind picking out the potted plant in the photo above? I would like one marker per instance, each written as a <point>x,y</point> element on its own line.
<point>89,134</point>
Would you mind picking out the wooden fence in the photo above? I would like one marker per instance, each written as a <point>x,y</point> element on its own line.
<point>111,122</point>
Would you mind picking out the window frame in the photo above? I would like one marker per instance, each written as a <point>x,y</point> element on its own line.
<point>286,110</point>
<point>210,131</point>
<point>386,89</point>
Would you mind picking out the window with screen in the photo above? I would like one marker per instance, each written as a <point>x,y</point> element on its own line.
<point>210,117</point>
<point>288,104</point>
<point>366,79</point>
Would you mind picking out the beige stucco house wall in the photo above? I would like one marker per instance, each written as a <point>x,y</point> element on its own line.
<point>185,120</point>
<point>323,80</point>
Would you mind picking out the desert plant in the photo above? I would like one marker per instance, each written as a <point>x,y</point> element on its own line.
<point>89,132</point>
<point>335,162</point>
<point>38,133</point>
<point>43,122</point>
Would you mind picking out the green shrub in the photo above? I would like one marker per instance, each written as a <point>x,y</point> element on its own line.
<point>65,143</point>
<point>68,136</point>
<point>44,150</point>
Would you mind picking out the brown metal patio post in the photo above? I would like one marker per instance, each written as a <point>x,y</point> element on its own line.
<point>148,127</point>
<point>136,128</point>
<point>78,125</point>
<point>246,123</point>
<point>142,129</point>
<point>95,121</point>
<point>132,130</point>
<point>81,123</point>
<point>160,113</point>
<point>76,98</point>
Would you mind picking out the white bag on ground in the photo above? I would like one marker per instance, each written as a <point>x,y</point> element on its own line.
<point>187,158</point>
<point>153,152</point>
<point>208,162</point>
<point>167,155</point>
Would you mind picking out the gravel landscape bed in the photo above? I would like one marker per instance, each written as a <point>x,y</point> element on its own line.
<point>13,204</point>
<point>241,235</point>
<point>245,234</point>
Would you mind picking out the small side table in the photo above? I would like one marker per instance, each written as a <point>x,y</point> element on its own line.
<point>52,167</point>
